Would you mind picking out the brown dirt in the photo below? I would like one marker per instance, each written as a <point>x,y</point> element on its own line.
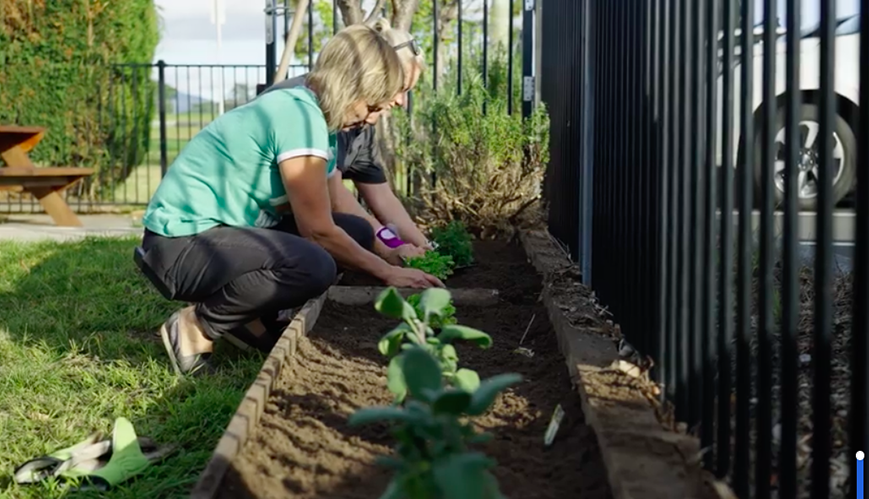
<point>496,264</point>
<point>304,449</point>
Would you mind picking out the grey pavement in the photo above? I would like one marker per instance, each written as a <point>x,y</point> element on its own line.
<point>37,227</point>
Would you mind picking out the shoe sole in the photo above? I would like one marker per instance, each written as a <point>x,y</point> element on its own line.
<point>167,343</point>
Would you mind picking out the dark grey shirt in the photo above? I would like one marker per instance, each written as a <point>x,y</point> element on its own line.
<point>356,153</point>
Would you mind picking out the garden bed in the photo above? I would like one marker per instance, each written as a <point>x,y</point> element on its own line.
<point>303,447</point>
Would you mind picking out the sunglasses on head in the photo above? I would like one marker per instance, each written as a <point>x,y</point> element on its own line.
<point>411,44</point>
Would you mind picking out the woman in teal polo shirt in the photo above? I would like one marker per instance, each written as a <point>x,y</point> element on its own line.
<point>242,226</point>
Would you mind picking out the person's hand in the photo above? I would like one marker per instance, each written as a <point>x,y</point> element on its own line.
<point>412,278</point>
<point>396,256</point>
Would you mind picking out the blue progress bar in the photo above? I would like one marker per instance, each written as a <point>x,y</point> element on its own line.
<point>860,457</point>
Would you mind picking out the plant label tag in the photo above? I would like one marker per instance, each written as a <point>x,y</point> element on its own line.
<point>554,424</point>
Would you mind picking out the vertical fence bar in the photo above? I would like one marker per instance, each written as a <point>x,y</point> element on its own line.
<point>671,177</point>
<point>683,184</point>
<point>664,56</point>
<point>860,325</point>
<point>588,42</point>
<point>334,16</point>
<point>461,47</point>
<point>697,220</point>
<point>528,58</point>
<point>509,57</point>
<point>790,283</point>
<point>310,37</point>
<point>725,284</point>
<point>742,455</point>
<point>821,357</point>
<point>271,29</point>
<point>161,109</point>
<point>485,64</point>
<point>766,324</point>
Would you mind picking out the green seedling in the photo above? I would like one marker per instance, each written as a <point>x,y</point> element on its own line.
<point>435,321</point>
<point>454,240</point>
<point>434,263</point>
<point>416,330</point>
<point>432,458</point>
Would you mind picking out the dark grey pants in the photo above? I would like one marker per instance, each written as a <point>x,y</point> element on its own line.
<point>237,275</point>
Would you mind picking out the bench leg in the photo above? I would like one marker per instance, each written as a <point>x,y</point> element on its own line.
<point>56,206</point>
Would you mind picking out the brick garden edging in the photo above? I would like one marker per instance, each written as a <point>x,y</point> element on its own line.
<point>251,408</point>
<point>642,458</point>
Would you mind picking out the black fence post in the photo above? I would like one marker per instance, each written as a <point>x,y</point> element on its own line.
<point>271,28</point>
<point>528,58</point>
<point>161,106</point>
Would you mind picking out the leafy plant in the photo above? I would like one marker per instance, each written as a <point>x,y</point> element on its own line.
<point>434,263</point>
<point>472,160</point>
<point>436,322</point>
<point>433,460</point>
<point>416,330</point>
<point>454,240</point>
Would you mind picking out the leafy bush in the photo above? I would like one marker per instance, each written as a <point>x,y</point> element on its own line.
<point>433,460</point>
<point>434,263</point>
<point>416,329</point>
<point>482,167</point>
<point>62,70</point>
<point>454,240</point>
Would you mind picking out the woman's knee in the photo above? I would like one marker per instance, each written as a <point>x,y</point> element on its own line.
<point>320,270</point>
<point>356,227</point>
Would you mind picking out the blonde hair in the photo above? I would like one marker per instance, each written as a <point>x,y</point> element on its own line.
<point>355,64</point>
<point>396,37</point>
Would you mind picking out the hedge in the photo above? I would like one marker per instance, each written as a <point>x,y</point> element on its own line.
<point>70,66</point>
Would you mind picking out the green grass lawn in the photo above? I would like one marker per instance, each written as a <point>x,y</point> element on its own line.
<point>78,348</point>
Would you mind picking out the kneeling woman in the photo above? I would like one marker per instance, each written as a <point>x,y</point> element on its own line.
<point>241,226</point>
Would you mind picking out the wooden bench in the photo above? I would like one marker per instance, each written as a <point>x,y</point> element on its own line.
<point>45,183</point>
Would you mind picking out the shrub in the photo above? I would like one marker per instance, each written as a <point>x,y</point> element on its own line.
<point>483,168</point>
<point>59,71</point>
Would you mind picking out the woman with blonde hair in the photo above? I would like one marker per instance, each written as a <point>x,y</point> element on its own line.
<point>357,161</point>
<point>242,224</point>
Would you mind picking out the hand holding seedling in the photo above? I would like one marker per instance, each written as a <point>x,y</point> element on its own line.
<point>432,262</point>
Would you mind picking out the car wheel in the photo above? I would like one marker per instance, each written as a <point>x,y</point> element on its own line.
<point>809,126</point>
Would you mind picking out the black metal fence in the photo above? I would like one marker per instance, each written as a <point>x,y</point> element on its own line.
<point>705,219</point>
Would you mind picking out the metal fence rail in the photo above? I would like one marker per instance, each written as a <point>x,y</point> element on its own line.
<point>758,338</point>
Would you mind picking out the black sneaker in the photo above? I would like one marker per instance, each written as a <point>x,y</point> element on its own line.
<point>185,365</point>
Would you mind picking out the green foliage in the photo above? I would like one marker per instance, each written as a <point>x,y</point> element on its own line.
<point>61,70</point>
<point>448,316</point>
<point>434,263</point>
<point>433,459</point>
<point>418,329</point>
<point>454,240</point>
<point>488,165</point>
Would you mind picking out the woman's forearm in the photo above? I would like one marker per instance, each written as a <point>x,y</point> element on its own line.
<point>349,253</point>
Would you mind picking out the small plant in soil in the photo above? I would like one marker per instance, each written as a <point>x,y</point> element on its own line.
<point>416,329</point>
<point>434,263</point>
<point>454,240</point>
<point>435,321</point>
<point>432,458</point>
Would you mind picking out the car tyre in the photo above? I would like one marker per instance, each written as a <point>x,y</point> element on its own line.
<point>841,187</point>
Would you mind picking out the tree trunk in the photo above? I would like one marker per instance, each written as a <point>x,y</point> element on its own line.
<point>402,13</point>
<point>351,11</point>
<point>447,14</point>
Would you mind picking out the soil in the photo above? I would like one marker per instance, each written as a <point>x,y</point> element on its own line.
<point>496,263</point>
<point>303,447</point>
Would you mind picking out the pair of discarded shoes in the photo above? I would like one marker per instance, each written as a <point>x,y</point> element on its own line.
<point>95,463</point>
